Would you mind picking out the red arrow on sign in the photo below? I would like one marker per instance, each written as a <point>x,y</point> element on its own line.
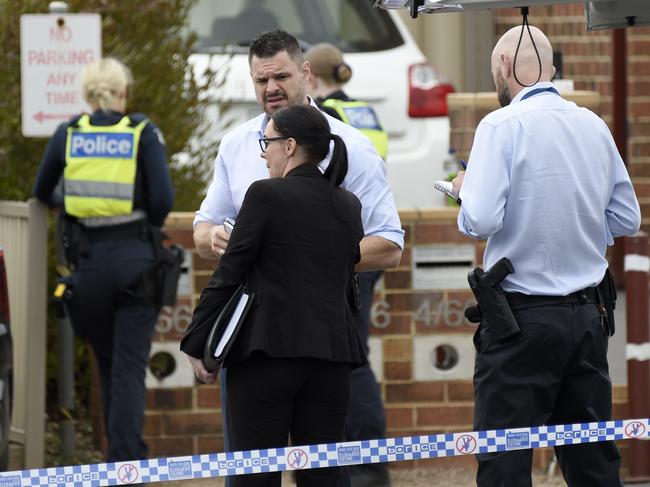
<point>40,116</point>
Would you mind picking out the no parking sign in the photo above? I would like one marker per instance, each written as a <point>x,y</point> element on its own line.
<point>54,48</point>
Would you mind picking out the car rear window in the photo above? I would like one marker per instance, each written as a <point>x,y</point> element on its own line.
<point>353,25</point>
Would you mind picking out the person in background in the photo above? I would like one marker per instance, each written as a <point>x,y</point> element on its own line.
<point>547,187</point>
<point>279,75</point>
<point>295,244</point>
<point>328,74</point>
<point>116,187</point>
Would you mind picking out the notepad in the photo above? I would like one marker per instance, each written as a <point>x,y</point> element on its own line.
<point>231,327</point>
<point>448,188</point>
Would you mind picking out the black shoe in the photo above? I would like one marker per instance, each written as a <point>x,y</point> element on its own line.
<point>375,475</point>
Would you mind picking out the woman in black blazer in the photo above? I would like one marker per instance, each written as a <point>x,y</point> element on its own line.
<point>295,244</point>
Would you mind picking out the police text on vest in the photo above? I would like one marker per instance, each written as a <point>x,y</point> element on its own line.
<point>102,144</point>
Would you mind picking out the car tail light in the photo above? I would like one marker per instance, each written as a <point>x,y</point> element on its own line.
<point>427,92</point>
<point>4,291</point>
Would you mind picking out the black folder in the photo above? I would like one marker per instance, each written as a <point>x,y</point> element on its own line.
<point>225,328</point>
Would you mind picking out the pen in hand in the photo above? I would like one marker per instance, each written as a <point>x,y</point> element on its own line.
<point>463,164</point>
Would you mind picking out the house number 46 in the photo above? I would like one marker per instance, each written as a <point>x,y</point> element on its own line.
<point>449,313</point>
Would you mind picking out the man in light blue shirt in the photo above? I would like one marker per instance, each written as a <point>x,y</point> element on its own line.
<point>547,187</point>
<point>280,75</point>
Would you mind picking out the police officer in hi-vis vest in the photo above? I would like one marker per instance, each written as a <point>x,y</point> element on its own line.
<point>328,75</point>
<point>116,187</point>
<point>366,419</point>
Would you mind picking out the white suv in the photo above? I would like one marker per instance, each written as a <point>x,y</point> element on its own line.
<point>389,71</point>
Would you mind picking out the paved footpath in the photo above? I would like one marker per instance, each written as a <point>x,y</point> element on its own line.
<point>415,477</point>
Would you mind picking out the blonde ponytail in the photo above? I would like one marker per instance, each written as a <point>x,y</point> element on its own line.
<point>103,80</point>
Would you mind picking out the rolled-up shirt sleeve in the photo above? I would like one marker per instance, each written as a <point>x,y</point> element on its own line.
<point>367,179</point>
<point>486,183</point>
<point>623,213</point>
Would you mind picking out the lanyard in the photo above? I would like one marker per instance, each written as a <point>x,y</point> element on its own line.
<point>539,90</point>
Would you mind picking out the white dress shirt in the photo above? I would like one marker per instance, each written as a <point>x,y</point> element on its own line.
<point>547,187</point>
<point>239,164</point>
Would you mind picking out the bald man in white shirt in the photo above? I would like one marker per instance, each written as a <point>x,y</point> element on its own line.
<point>547,188</point>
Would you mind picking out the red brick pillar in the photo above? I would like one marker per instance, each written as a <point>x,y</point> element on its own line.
<point>637,266</point>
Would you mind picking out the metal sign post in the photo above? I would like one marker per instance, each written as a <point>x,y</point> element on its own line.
<point>54,48</point>
<point>637,267</point>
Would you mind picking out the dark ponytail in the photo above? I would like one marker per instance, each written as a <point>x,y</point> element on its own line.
<point>338,167</point>
<point>309,127</point>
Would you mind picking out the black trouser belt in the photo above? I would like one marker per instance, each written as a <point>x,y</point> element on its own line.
<point>126,231</point>
<point>584,296</point>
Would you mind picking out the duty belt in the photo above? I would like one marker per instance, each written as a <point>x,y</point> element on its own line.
<point>127,231</point>
<point>585,296</point>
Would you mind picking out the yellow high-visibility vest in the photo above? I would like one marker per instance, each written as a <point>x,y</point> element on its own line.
<point>363,118</point>
<point>101,163</point>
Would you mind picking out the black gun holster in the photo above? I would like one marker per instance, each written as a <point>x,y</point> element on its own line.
<point>492,307</point>
<point>354,294</point>
<point>158,284</point>
<point>72,239</point>
<point>606,293</point>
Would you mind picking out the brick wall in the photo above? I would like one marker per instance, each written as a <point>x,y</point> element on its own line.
<point>419,398</point>
<point>409,321</point>
<point>403,317</point>
<point>183,420</point>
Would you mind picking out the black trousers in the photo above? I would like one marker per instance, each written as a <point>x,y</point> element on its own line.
<point>366,418</point>
<point>554,372</point>
<point>270,399</point>
<point>120,334</point>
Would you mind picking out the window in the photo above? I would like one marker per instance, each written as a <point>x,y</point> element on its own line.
<point>352,25</point>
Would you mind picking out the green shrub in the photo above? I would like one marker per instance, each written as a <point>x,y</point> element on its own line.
<point>149,36</point>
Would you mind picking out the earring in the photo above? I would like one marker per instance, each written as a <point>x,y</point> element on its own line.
<point>268,166</point>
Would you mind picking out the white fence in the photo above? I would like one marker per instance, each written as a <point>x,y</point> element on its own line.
<point>23,236</point>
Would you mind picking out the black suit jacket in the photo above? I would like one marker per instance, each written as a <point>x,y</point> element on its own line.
<point>295,244</point>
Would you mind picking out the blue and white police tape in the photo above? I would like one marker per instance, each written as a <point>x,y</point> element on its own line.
<point>327,455</point>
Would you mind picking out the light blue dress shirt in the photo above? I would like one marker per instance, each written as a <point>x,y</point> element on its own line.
<point>547,187</point>
<point>239,164</point>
